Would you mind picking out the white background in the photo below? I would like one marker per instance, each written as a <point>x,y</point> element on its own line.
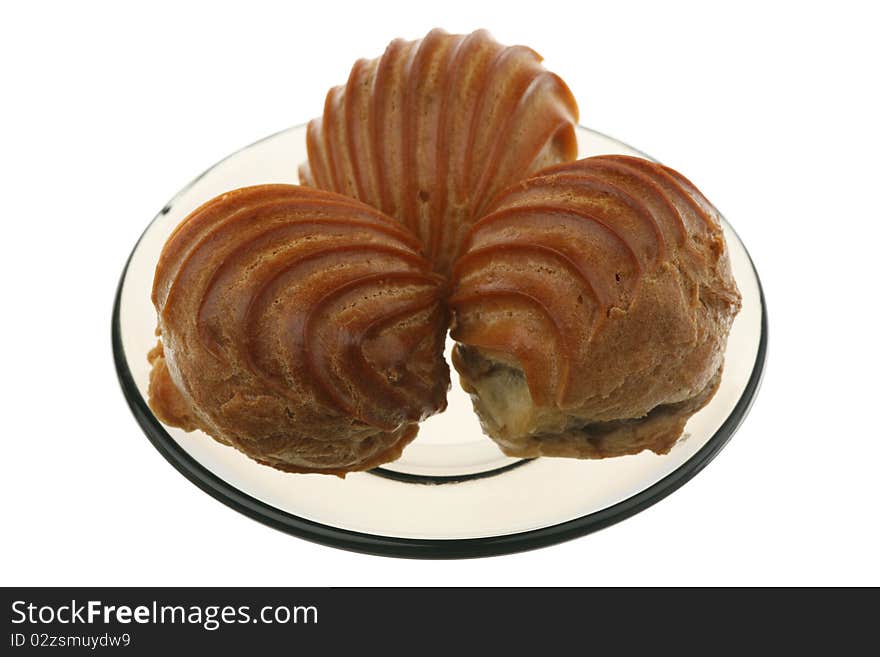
<point>109,109</point>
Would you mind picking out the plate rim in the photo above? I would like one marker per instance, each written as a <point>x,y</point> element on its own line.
<point>393,546</point>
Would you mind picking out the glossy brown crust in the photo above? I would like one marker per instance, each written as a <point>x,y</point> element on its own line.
<point>606,285</point>
<point>302,327</point>
<point>430,131</point>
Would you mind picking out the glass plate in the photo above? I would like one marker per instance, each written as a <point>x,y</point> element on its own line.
<point>452,493</point>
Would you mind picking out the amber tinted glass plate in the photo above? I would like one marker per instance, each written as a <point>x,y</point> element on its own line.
<point>453,493</point>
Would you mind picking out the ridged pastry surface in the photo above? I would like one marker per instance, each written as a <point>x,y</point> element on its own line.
<point>430,131</point>
<point>302,327</point>
<point>591,306</point>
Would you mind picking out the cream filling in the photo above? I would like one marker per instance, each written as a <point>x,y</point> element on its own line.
<point>507,412</point>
